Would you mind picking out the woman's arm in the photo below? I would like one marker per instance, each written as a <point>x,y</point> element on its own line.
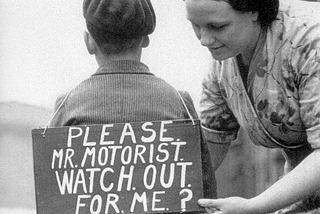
<point>301,182</point>
<point>219,125</point>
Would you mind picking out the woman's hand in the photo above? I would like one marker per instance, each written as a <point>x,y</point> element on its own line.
<point>232,205</point>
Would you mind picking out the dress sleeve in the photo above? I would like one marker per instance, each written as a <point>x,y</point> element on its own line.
<point>218,122</point>
<point>306,60</point>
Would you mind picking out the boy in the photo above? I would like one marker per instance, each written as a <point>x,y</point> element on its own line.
<point>123,89</point>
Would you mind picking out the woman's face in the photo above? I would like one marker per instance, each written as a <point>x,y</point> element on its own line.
<point>223,30</point>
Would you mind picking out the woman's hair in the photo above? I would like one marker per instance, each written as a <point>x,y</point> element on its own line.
<point>267,9</point>
<point>109,44</point>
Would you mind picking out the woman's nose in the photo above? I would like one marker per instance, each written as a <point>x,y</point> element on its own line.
<point>206,38</point>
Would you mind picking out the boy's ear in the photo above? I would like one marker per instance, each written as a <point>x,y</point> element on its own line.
<point>145,41</point>
<point>90,43</point>
<point>255,16</point>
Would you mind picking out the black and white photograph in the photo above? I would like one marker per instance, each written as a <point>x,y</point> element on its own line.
<point>158,106</point>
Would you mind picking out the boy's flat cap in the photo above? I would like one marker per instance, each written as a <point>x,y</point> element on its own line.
<point>121,18</point>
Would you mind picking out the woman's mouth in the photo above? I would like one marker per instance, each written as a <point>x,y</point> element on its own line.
<point>215,48</point>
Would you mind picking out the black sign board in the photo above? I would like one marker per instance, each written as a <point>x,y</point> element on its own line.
<point>147,167</point>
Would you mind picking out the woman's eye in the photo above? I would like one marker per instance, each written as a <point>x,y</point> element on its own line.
<point>216,27</point>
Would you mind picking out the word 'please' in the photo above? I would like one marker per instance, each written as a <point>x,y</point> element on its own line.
<point>147,134</point>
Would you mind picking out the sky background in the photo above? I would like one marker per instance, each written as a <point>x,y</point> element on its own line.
<point>42,51</point>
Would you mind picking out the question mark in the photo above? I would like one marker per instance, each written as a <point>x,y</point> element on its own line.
<point>183,193</point>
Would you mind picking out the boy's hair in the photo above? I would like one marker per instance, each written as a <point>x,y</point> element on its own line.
<point>111,45</point>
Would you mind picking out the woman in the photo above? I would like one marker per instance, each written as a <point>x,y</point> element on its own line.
<point>266,80</point>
